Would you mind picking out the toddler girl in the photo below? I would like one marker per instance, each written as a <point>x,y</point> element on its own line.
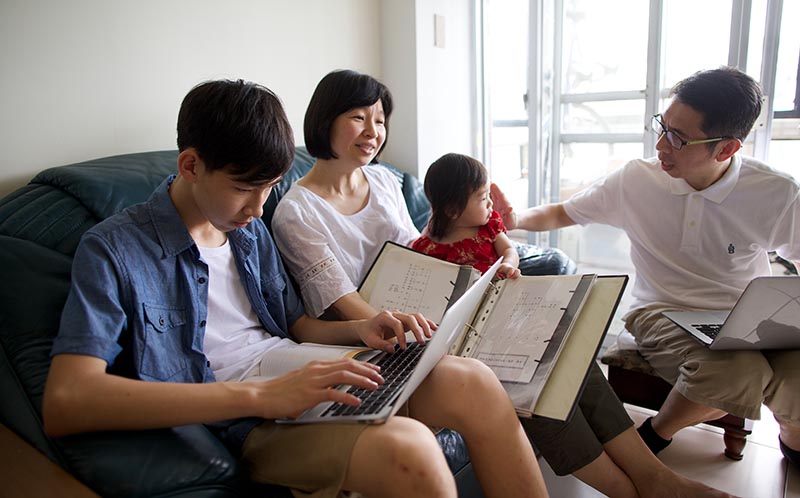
<point>463,227</point>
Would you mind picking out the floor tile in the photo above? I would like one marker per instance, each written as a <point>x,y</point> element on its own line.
<point>765,431</point>
<point>567,486</point>
<point>696,452</point>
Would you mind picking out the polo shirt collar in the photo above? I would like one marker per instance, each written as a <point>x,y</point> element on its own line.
<point>718,191</point>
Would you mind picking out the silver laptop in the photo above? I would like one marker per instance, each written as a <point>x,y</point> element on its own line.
<point>399,387</point>
<point>766,316</point>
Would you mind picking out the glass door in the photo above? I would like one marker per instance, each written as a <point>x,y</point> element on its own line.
<point>505,46</point>
<point>593,73</point>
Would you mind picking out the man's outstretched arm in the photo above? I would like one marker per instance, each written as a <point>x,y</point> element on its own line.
<point>534,219</point>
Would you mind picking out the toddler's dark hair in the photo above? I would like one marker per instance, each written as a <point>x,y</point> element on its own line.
<point>449,183</point>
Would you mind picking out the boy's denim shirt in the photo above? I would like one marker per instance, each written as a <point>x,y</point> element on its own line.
<point>140,290</point>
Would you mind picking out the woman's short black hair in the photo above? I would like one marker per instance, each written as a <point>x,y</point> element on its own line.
<point>449,183</point>
<point>338,92</point>
<point>728,99</point>
<point>237,126</point>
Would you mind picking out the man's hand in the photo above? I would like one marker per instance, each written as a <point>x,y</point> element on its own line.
<point>388,324</point>
<point>502,206</point>
<point>291,394</point>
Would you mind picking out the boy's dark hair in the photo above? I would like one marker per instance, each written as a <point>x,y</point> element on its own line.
<point>338,92</point>
<point>237,126</point>
<point>449,183</point>
<point>728,99</point>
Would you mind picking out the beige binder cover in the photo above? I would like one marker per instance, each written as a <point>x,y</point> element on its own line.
<point>558,398</point>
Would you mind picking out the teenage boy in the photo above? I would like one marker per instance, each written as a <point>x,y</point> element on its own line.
<point>701,220</point>
<point>174,301</point>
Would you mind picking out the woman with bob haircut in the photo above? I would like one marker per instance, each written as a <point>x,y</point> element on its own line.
<point>322,217</point>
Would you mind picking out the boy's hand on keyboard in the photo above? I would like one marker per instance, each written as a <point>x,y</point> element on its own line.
<point>393,324</point>
<point>291,394</point>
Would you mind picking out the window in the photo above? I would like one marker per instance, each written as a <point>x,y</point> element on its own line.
<point>784,146</point>
<point>594,77</point>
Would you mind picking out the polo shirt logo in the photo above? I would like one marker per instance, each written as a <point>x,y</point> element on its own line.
<point>731,249</point>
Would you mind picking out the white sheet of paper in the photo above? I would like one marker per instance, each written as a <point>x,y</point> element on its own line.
<point>288,356</point>
<point>412,288</point>
<point>528,313</point>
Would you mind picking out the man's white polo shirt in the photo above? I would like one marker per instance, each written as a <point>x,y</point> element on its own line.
<point>696,249</point>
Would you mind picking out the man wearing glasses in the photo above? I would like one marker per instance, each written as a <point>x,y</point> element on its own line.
<point>701,220</point>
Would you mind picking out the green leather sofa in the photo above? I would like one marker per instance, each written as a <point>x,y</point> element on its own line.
<point>40,226</point>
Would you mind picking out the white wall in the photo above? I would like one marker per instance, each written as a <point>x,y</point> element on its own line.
<point>447,81</point>
<point>434,87</point>
<point>399,55</point>
<point>81,79</point>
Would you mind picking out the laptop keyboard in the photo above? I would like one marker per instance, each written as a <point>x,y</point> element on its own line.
<point>395,370</point>
<point>709,329</point>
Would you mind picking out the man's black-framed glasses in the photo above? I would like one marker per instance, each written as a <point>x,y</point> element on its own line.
<point>677,143</point>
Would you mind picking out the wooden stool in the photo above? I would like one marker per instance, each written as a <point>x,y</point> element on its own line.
<point>636,383</point>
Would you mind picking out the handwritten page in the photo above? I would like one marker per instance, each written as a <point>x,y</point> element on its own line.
<point>410,284</point>
<point>519,326</point>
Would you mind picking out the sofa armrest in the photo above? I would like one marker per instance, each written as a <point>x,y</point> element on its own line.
<point>182,460</point>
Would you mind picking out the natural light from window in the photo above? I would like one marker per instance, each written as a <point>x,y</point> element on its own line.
<point>602,111</point>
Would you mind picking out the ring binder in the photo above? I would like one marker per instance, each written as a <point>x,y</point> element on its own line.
<point>539,334</point>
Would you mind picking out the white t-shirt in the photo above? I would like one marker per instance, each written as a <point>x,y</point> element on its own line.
<point>234,341</point>
<point>327,252</point>
<point>696,249</point>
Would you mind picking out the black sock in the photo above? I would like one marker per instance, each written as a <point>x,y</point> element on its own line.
<point>792,455</point>
<point>653,441</point>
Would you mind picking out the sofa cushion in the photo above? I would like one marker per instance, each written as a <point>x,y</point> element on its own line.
<point>35,285</point>
<point>149,463</point>
<point>108,185</point>
<point>535,260</point>
<point>60,204</point>
<point>44,215</point>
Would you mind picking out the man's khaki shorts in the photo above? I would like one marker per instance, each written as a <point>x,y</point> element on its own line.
<point>737,382</point>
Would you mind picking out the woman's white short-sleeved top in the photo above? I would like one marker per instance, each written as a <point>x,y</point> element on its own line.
<point>327,252</point>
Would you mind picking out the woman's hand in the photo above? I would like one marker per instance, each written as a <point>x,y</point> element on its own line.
<point>291,394</point>
<point>393,324</point>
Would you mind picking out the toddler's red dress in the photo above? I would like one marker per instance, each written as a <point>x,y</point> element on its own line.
<point>477,251</point>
